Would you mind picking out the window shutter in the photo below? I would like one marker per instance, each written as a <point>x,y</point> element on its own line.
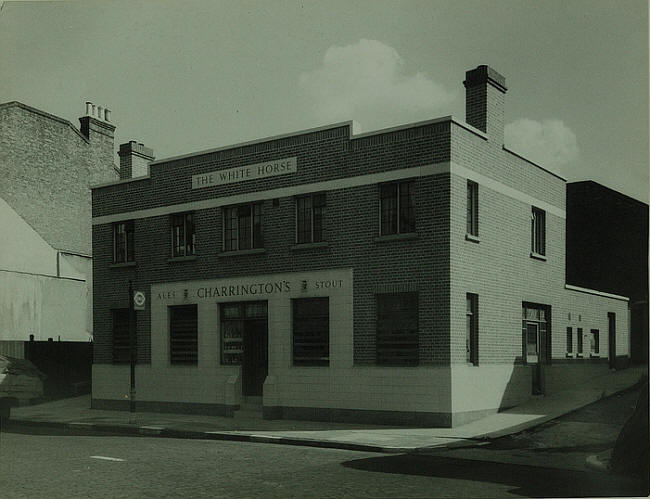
<point>475,336</point>
<point>183,334</point>
<point>549,336</point>
<point>121,340</point>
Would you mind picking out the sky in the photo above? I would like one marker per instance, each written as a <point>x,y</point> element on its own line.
<point>184,76</point>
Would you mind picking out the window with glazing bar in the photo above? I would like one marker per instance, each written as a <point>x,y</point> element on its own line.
<point>309,218</point>
<point>579,338</point>
<point>472,208</point>
<point>242,227</point>
<point>471,333</point>
<point>123,242</point>
<point>594,342</point>
<point>397,210</point>
<point>538,231</point>
<point>182,235</point>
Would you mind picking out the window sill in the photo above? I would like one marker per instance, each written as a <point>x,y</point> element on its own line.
<point>120,265</point>
<point>308,246</point>
<point>594,356</point>
<point>181,259</point>
<point>569,355</point>
<point>472,238</point>
<point>396,237</point>
<point>537,256</point>
<point>254,251</point>
<point>579,356</point>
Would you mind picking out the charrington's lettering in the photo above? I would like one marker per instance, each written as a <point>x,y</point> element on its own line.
<point>245,289</point>
<point>249,289</point>
<point>249,172</point>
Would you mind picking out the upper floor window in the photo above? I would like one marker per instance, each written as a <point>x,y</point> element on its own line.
<point>242,227</point>
<point>538,231</point>
<point>397,210</point>
<point>123,242</point>
<point>309,218</point>
<point>472,208</point>
<point>182,234</point>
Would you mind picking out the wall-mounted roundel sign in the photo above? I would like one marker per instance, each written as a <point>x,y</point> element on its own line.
<point>139,300</point>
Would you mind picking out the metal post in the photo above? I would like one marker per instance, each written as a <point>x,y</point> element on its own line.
<point>132,346</point>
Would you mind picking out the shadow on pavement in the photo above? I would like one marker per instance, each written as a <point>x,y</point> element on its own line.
<point>529,481</point>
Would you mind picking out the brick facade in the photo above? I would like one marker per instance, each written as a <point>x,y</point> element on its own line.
<point>48,166</point>
<point>436,261</point>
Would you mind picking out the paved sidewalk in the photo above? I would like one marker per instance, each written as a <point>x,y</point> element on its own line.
<point>74,414</point>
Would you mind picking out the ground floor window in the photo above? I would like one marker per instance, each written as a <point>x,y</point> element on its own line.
<point>536,336</point>
<point>234,320</point>
<point>569,340</point>
<point>121,343</point>
<point>579,341</point>
<point>183,334</point>
<point>311,331</point>
<point>471,332</point>
<point>397,329</point>
<point>594,342</point>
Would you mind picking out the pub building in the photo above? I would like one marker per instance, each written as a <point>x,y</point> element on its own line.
<point>413,275</point>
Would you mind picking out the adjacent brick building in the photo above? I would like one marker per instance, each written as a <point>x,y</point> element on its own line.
<point>414,275</point>
<point>47,166</point>
<point>607,249</point>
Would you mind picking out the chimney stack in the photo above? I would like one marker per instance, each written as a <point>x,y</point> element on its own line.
<point>485,91</point>
<point>100,133</point>
<point>134,160</point>
<point>97,119</point>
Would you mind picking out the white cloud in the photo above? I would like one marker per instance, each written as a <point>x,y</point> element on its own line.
<point>549,143</point>
<point>365,81</point>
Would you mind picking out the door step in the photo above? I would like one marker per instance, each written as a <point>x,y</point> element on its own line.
<point>251,403</point>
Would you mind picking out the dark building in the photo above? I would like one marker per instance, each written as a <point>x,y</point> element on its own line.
<point>607,249</point>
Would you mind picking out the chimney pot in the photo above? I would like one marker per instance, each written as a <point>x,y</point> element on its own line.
<point>100,113</point>
<point>107,115</point>
<point>89,107</point>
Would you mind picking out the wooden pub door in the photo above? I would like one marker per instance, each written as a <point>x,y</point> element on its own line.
<point>255,357</point>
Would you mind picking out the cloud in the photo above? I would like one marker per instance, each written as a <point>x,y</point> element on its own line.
<point>366,81</point>
<point>549,143</point>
